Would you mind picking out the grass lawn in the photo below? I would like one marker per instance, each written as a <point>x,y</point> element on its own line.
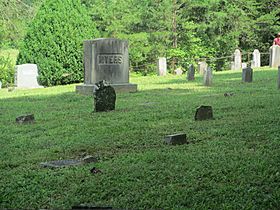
<point>232,162</point>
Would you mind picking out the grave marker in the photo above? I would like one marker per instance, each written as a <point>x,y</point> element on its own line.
<point>256,62</point>
<point>178,71</point>
<point>191,73</point>
<point>274,57</point>
<point>207,80</point>
<point>162,66</point>
<point>26,76</point>
<point>247,74</point>
<point>237,60</point>
<point>204,113</point>
<point>106,59</point>
<point>202,66</point>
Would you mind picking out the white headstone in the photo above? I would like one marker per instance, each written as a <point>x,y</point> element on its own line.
<point>162,66</point>
<point>0,84</point>
<point>178,71</point>
<point>237,60</point>
<point>274,58</point>
<point>202,66</point>
<point>207,79</point>
<point>26,76</point>
<point>256,62</point>
<point>244,65</point>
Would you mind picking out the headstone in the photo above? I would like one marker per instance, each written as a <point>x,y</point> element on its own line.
<point>0,84</point>
<point>24,119</point>
<point>244,65</point>
<point>237,60</point>
<point>104,97</point>
<point>204,113</point>
<point>162,66</point>
<point>256,62</point>
<point>176,139</point>
<point>202,66</point>
<point>178,71</point>
<point>26,76</point>
<point>247,74</point>
<point>207,81</point>
<point>106,59</point>
<point>278,77</point>
<point>191,73</point>
<point>232,66</point>
<point>274,58</point>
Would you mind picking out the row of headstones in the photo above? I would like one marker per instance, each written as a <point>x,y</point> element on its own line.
<point>237,64</point>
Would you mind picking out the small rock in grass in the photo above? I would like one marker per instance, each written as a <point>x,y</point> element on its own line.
<point>228,94</point>
<point>89,159</point>
<point>95,170</point>
<point>175,139</point>
<point>204,113</point>
<point>25,119</point>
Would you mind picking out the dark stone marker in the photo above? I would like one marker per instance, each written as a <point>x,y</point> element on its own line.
<point>86,206</point>
<point>278,77</point>
<point>104,97</point>
<point>24,119</point>
<point>176,139</point>
<point>204,113</point>
<point>247,74</point>
<point>191,73</point>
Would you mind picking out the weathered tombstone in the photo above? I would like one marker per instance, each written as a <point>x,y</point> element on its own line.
<point>274,58</point>
<point>237,60</point>
<point>0,84</point>
<point>104,97</point>
<point>25,119</point>
<point>178,71</point>
<point>207,80</point>
<point>106,59</point>
<point>176,139</point>
<point>162,66</point>
<point>256,62</point>
<point>191,73</point>
<point>26,76</point>
<point>278,77</point>
<point>232,65</point>
<point>247,74</point>
<point>202,66</point>
<point>204,113</point>
<point>244,65</point>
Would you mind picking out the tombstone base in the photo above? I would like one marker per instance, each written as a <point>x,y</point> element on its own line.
<point>87,89</point>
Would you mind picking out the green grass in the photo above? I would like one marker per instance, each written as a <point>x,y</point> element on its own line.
<point>11,53</point>
<point>232,162</point>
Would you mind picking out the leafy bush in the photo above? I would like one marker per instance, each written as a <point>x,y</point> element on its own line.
<point>6,71</point>
<point>54,41</point>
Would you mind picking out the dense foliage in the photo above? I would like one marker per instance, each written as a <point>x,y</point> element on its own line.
<point>6,71</point>
<point>54,41</point>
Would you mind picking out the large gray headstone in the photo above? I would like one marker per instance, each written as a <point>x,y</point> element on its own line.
<point>274,58</point>
<point>247,74</point>
<point>191,73</point>
<point>256,62</point>
<point>237,60</point>
<point>26,76</point>
<point>162,66</point>
<point>207,80</point>
<point>202,66</point>
<point>106,59</point>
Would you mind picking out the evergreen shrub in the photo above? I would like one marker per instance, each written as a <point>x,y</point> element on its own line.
<point>54,41</point>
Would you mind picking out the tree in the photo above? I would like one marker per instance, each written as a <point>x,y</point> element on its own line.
<point>54,41</point>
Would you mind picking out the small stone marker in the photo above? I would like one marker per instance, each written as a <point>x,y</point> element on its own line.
<point>176,139</point>
<point>24,119</point>
<point>207,81</point>
<point>191,73</point>
<point>178,71</point>
<point>278,77</point>
<point>104,97</point>
<point>274,57</point>
<point>162,66</point>
<point>202,66</point>
<point>237,60</point>
<point>247,74</point>
<point>204,113</point>
<point>256,62</point>
<point>26,76</point>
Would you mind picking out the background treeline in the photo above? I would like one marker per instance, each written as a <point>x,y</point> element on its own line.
<point>181,30</point>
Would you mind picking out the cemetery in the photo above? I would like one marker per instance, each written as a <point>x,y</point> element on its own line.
<point>89,121</point>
